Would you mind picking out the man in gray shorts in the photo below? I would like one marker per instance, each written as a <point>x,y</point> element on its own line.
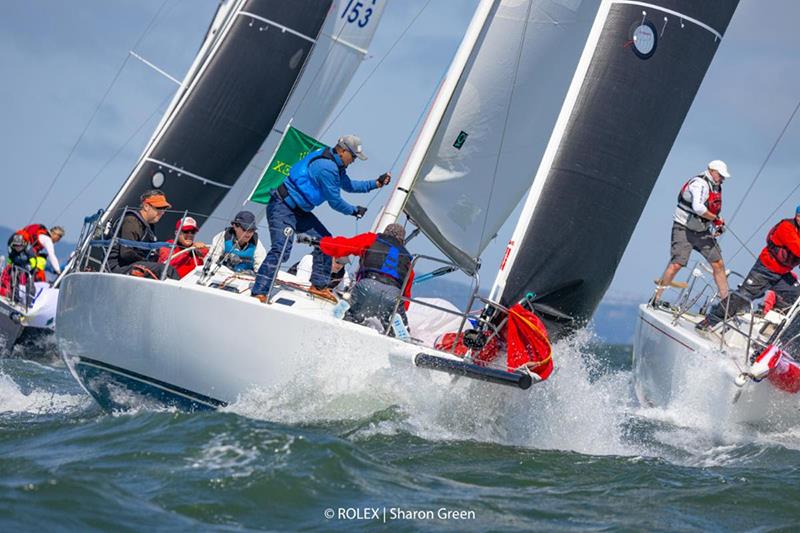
<point>696,224</point>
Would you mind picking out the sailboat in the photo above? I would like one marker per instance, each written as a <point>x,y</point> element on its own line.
<point>551,85</point>
<point>230,106</point>
<point>721,369</point>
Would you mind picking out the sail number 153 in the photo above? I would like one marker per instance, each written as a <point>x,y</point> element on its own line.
<point>358,12</point>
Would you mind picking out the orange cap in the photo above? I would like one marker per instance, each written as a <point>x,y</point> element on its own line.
<point>159,201</point>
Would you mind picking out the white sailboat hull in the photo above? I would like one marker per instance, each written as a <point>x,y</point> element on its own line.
<point>674,367</point>
<point>17,323</point>
<point>128,340</point>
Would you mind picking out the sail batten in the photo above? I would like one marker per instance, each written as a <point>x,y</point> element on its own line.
<point>229,103</point>
<point>341,46</point>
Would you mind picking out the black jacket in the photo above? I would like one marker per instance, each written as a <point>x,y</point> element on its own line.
<point>134,228</point>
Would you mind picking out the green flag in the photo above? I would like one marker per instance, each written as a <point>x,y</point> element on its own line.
<point>294,146</point>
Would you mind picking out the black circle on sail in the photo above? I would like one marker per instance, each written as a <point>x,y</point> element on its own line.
<point>644,39</point>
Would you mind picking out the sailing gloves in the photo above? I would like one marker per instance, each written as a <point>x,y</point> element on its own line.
<point>383,180</point>
<point>305,238</point>
<point>360,211</point>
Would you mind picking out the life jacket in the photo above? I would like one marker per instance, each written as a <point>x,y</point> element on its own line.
<point>713,203</point>
<point>304,188</point>
<point>24,258</point>
<point>246,254</point>
<point>388,259</point>
<point>31,234</point>
<point>781,254</point>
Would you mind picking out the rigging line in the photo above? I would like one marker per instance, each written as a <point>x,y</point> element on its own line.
<point>767,219</point>
<point>244,196</point>
<point>766,160</point>
<point>369,76</point>
<point>94,113</point>
<point>508,114</point>
<point>112,158</point>
<point>334,40</point>
<point>411,133</point>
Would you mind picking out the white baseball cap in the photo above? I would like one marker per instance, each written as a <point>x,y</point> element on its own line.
<point>720,167</point>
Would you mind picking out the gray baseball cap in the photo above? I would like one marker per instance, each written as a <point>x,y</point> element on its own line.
<point>352,143</point>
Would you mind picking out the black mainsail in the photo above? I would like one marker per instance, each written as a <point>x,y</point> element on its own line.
<point>227,107</point>
<point>640,71</point>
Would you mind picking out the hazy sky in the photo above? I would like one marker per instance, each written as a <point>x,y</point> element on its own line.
<point>59,58</point>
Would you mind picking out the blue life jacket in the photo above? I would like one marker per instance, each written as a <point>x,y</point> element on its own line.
<point>246,254</point>
<point>303,186</point>
<point>388,258</point>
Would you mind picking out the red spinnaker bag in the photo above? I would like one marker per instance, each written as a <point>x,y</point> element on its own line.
<point>527,342</point>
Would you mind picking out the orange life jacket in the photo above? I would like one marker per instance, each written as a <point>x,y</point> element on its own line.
<point>31,234</point>
<point>780,253</point>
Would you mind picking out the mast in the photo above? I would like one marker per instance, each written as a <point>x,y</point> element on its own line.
<point>396,202</point>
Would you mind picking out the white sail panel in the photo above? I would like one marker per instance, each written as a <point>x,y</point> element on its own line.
<point>340,48</point>
<point>491,138</point>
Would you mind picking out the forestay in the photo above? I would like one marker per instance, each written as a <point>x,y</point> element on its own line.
<point>227,105</point>
<point>492,134</point>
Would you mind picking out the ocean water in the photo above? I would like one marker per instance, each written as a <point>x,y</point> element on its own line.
<point>574,453</point>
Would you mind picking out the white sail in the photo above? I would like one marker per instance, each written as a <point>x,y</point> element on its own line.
<point>340,48</point>
<point>485,146</point>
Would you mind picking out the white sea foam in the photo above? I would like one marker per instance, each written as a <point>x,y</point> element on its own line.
<point>14,400</point>
<point>705,426</point>
<point>570,411</point>
<point>225,454</point>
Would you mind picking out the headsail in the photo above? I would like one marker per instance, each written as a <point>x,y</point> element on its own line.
<point>229,103</point>
<point>481,151</point>
<point>637,78</point>
<point>340,49</point>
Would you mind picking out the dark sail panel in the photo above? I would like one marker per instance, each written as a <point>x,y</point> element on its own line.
<point>629,109</point>
<point>230,107</point>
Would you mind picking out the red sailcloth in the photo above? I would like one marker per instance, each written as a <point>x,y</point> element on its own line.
<point>527,344</point>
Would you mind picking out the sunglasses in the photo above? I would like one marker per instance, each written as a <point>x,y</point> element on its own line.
<point>243,228</point>
<point>189,232</point>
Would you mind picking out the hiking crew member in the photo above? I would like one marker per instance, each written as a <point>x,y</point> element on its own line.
<point>772,271</point>
<point>139,226</point>
<point>41,241</point>
<point>319,177</point>
<point>187,254</point>
<point>238,246</point>
<point>383,268</point>
<point>20,263</point>
<point>698,211</point>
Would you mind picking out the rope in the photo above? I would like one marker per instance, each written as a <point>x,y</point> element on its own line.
<point>542,336</point>
<point>505,122</point>
<point>110,160</point>
<point>767,219</point>
<point>352,97</point>
<point>764,164</point>
<point>94,113</point>
<point>753,182</point>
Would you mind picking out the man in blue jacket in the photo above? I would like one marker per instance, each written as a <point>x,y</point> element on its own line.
<point>316,179</point>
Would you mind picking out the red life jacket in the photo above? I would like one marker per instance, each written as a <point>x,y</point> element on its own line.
<point>714,201</point>
<point>781,254</point>
<point>31,234</point>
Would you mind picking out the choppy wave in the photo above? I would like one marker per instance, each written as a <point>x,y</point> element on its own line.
<point>13,399</point>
